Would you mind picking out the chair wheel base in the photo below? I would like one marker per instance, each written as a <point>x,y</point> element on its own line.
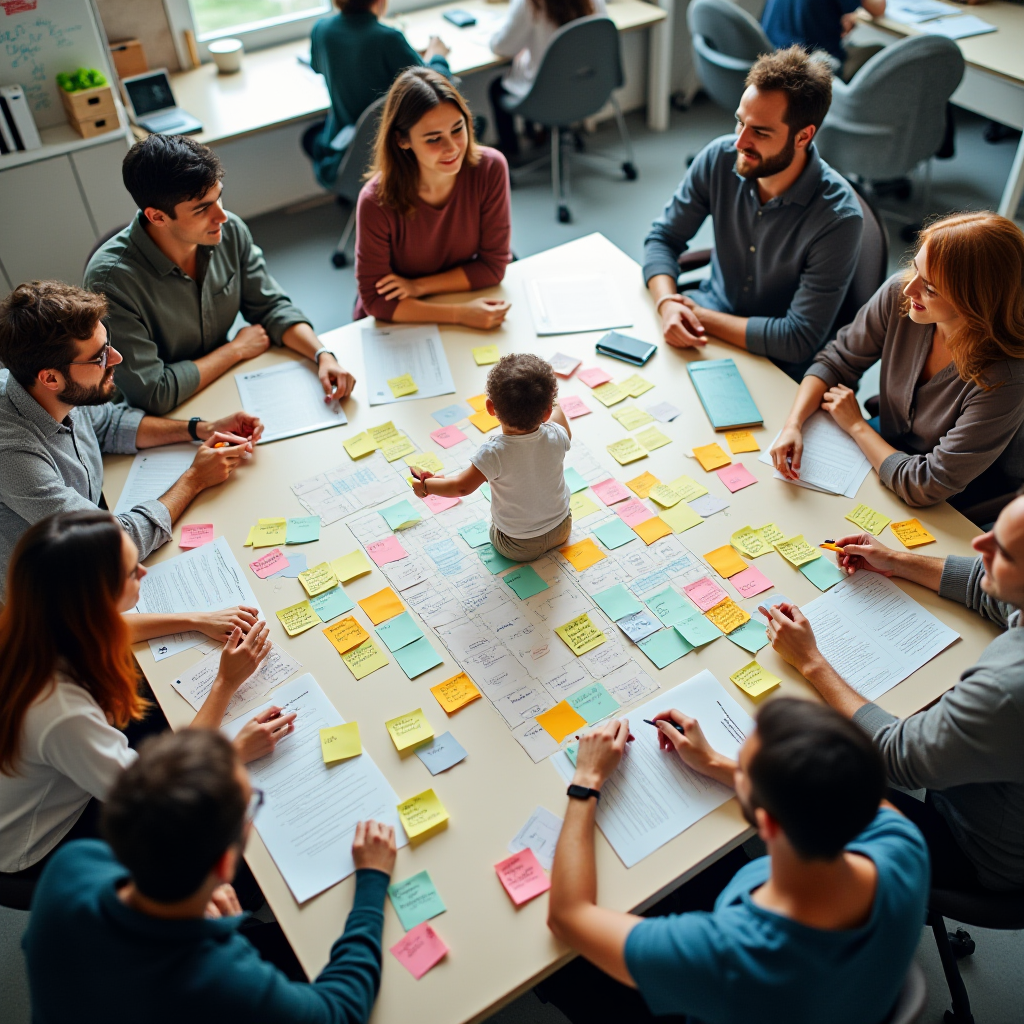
<point>339,259</point>
<point>961,943</point>
<point>630,171</point>
<point>564,217</point>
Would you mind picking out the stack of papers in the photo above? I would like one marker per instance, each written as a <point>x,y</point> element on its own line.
<point>289,399</point>
<point>572,305</point>
<point>831,461</point>
<point>416,352</point>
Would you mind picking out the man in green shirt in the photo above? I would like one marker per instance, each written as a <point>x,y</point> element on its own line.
<point>179,274</point>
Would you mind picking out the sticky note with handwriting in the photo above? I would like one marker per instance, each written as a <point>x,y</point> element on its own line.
<point>754,680</point>
<point>196,535</point>
<point>911,534</point>
<point>409,730</point>
<point>346,634</point>
<point>420,949</point>
<point>422,815</point>
<point>298,618</point>
<point>455,693</point>
<point>580,634</point>
<point>266,565</point>
<point>522,876</point>
<point>868,519</point>
<point>364,659</point>
<point>340,742</point>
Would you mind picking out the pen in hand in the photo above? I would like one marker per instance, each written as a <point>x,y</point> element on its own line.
<point>675,725</point>
<point>832,546</point>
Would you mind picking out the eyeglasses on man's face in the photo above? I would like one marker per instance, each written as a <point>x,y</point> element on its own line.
<point>99,360</point>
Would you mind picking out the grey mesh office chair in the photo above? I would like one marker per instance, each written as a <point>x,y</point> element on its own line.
<point>726,42</point>
<point>353,166</point>
<point>576,78</point>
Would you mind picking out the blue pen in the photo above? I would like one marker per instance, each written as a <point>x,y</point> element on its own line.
<point>675,725</point>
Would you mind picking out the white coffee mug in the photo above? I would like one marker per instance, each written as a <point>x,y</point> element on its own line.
<point>227,55</point>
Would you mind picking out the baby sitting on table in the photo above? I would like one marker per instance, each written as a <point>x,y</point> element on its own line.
<point>523,464</point>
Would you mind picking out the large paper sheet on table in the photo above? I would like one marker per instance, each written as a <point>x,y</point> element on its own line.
<point>831,462</point>
<point>572,305</point>
<point>152,474</point>
<point>653,796</point>
<point>310,809</point>
<point>873,634</point>
<point>289,399</point>
<point>347,488</point>
<point>390,352</point>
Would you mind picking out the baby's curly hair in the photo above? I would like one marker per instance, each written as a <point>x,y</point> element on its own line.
<point>522,387</point>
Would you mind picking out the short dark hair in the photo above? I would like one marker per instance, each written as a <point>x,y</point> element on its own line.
<point>806,79</point>
<point>164,170</point>
<point>40,325</point>
<point>522,387</point>
<point>171,815</point>
<point>817,774</point>
<point>353,6</point>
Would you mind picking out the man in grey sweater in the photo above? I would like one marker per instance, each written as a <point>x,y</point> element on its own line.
<point>967,749</point>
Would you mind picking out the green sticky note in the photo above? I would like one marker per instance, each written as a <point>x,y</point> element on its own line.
<point>525,581</point>
<point>485,490</point>
<point>696,630</point>
<point>751,636</point>
<point>669,606</point>
<point>400,515</point>
<point>593,702</point>
<point>303,530</point>
<point>415,900</point>
<point>398,632</point>
<point>331,603</point>
<point>575,481</point>
<point>823,573</point>
<point>614,533</point>
<point>571,752</point>
<point>617,602</point>
<point>664,647</point>
<point>494,560</point>
<point>476,533</point>
<point>417,657</point>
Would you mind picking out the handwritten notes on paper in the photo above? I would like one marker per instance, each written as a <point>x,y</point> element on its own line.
<point>318,579</point>
<point>266,565</point>
<point>741,441</point>
<point>633,513</point>
<point>594,376</point>
<point>610,491</point>
<point>652,438</point>
<point>422,815</point>
<point>387,550</point>
<point>420,949</point>
<point>581,635</point>
<point>455,693</point>
<point>403,385</point>
<point>573,407</point>
<point>797,550</point>
<point>641,485</point>
<point>441,753</point>
<point>268,533</point>
<point>448,436</point>
<point>911,534</point>
<point>752,581</point>
<point>630,417</point>
<point>415,900</point>
<point>626,451</point>
<point>298,618</point>
<point>409,730</point>
<point>687,488</point>
<point>303,529</point>
<point>750,543</point>
<point>736,477</point>
<point>754,680</point>
<point>195,535</point>
<point>346,634</point>
<point>868,519</point>
<point>522,876</point>
<point>705,593</point>
<point>727,615</point>
<point>364,659</point>
<point>340,742</point>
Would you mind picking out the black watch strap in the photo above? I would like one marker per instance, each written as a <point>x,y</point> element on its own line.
<point>582,792</point>
<point>192,424</point>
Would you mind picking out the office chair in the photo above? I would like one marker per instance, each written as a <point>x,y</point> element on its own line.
<point>726,42</point>
<point>16,893</point>
<point>578,74</point>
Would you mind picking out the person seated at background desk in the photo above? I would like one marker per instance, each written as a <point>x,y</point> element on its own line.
<point>179,274</point>
<point>524,38</point>
<point>148,928</point>
<point>435,215</point>
<point>950,336</point>
<point>359,59</point>
<point>787,226</point>
<point>57,419</point>
<point>965,749</point>
<point>822,929</point>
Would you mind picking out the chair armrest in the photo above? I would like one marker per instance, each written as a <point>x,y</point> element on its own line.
<point>863,128</point>
<point>694,260</point>
<point>722,60</point>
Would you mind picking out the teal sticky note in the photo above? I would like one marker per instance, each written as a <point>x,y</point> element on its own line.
<point>751,636</point>
<point>415,900</point>
<point>593,702</point>
<point>823,576</point>
<point>400,514</point>
<point>669,606</point>
<point>417,657</point>
<point>331,603</point>
<point>398,632</point>
<point>303,530</point>
<point>485,490</point>
<point>696,630</point>
<point>494,560</point>
<point>525,581</point>
<point>476,533</point>
<point>575,481</point>
<point>664,647</point>
<point>571,752</point>
<point>614,533</point>
<point>617,602</point>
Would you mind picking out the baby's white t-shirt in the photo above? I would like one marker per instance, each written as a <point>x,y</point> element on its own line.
<point>529,495</point>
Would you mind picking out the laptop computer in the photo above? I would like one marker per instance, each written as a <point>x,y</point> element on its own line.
<point>152,105</point>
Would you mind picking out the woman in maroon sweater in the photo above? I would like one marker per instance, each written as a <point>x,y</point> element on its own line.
<point>435,215</point>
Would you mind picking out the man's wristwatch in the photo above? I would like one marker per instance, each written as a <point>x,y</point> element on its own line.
<point>192,424</point>
<point>582,792</point>
<point>319,352</point>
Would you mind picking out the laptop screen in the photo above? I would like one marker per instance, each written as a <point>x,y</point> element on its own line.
<point>150,93</point>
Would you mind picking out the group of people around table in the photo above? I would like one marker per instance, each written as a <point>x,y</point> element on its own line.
<point>132,846</point>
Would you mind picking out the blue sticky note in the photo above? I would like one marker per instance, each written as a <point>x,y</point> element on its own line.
<point>494,560</point>
<point>575,481</point>
<point>751,636</point>
<point>593,702</point>
<point>525,581</point>
<point>823,576</point>
<point>331,603</point>
<point>617,602</point>
<point>614,533</point>
<point>441,753</point>
<point>639,625</point>
<point>296,564</point>
<point>665,647</point>
<point>669,606</point>
<point>485,490</point>
<point>417,657</point>
<point>696,630</point>
<point>303,530</point>
<point>415,900</point>
<point>450,414</point>
<point>476,533</point>
<point>398,632</point>
<point>400,514</point>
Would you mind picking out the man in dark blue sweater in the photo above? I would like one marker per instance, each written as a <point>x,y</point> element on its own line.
<point>147,928</point>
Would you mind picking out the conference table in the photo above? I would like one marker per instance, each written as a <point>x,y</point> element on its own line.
<point>497,951</point>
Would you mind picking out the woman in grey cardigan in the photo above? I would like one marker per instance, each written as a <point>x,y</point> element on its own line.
<point>950,334</point>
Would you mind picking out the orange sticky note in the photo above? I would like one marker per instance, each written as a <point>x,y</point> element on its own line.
<point>455,693</point>
<point>741,441</point>
<point>382,605</point>
<point>346,634</point>
<point>725,561</point>
<point>582,555</point>
<point>911,534</point>
<point>652,529</point>
<point>711,456</point>
<point>727,615</point>
<point>643,484</point>
<point>561,720</point>
<point>483,421</point>
<point>478,403</point>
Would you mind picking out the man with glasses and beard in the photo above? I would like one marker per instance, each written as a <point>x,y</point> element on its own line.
<point>57,420</point>
<point>787,227</point>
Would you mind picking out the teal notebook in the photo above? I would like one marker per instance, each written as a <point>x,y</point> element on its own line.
<point>723,394</point>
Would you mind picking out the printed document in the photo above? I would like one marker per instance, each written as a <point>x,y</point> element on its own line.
<point>390,352</point>
<point>347,488</point>
<point>573,305</point>
<point>913,12</point>
<point>152,474</point>
<point>289,399</point>
<point>831,462</point>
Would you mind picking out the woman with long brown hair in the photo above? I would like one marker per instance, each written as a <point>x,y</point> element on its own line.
<point>949,332</point>
<point>434,216</point>
<point>68,684</point>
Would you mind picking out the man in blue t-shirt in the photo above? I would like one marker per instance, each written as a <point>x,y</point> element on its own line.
<point>822,929</point>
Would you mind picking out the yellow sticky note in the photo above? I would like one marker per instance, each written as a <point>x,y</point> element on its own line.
<point>384,433</point>
<point>581,506</point>
<point>404,385</point>
<point>754,680</point>
<point>340,742</point>
<point>725,561</point>
<point>581,635</point>
<point>424,460</point>
<point>422,815</point>
<point>711,456</point>
<point>641,485</point>
<point>750,543</point>
<point>561,720</point>
<point>665,496</point>
<point>478,403</point>
<point>626,451</point>
<point>797,550</point>
<point>727,615</point>
<point>484,355</point>
<point>868,519</point>
<point>318,579</point>
<point>635,386</point>
<point>455,693</point>
<point>483,421</point>
<point>351,566</point>
<point>248,540</point>
<point>911,534</point>
<point>681,517</point>
<point>393,450</point>
<point>298,618</point>
<point>741,441</point>
<point>346,634</point>
<point>582,555</point>
<point>653,438</point>
<point>610,394</point>
<point>687,488</point>
<point>382,606</point>
<point>360,445</point>
<point>652,529</point>
<point>268,533</point>
<point>364,659</point>
<point>409,730</point>
<point>631,417</point>
<point>770,533</point>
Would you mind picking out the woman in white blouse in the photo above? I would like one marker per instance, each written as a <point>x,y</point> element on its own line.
<point>68,682</point>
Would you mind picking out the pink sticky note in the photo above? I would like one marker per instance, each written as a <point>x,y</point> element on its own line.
<point>266,565</point>
<point>750,582</point>
<point>421,948</point>
<point>437,503</point>
<point>736,476</point>
<point>447,436</point>
<point>196,535</point>
<point>387,550</point>
<point>705,593</point>
<point>593,376</point>
<point>522,876</point>
<point>573,406</point>
<point>634,512</point>
<point>611,491</point>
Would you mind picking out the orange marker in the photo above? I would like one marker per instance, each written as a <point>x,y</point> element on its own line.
<point>222,444</point>
<point>833,547</point>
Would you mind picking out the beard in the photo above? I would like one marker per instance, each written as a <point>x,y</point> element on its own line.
<point>99,394</point>
<point>747,811</point>
<point>767,166</point>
